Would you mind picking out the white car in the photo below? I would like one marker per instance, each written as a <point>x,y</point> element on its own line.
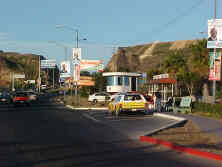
<point>99,97</point>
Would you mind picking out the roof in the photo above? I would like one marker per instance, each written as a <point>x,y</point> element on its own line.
<point>163,80</point>
<point>121,74</point>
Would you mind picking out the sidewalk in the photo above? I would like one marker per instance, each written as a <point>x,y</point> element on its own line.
<point>208,125</point>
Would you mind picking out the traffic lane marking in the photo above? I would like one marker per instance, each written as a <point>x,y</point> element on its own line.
<point>90,117</point>
<point>125,118</point>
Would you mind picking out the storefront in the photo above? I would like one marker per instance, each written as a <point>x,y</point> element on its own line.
<point>162,84</point>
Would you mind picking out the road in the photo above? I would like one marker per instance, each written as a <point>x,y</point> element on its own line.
<point>47,134</point>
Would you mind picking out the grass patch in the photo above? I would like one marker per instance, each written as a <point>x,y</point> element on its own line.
<point>209,110</point>
<point>83,102</point>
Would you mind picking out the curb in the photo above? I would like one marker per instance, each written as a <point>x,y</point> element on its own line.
<point>187,150</point>
<point>86,108</point>
<point>179,120</point>
<point>169,116</point>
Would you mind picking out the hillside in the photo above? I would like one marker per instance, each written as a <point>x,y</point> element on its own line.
<point>142,58</point>
<point>12,62</point>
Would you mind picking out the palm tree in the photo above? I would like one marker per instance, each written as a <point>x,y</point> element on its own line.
<point>199,62</point>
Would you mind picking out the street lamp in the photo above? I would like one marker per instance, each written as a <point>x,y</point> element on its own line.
<point>77,46</point>
<point>66,48</point>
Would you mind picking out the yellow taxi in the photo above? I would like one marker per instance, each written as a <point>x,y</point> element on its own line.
<point>129,102</point>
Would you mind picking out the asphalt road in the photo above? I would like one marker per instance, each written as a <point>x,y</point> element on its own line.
<point>49,135</point>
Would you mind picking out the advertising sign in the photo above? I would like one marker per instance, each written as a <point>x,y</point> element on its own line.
<point>76,73</point>
<point>214,33</point>
<point>65,67</point>
<point>215,66</point>
<point>91,65</point>
<point>48,63</point>
<point>76,54</point>
<point>65,75</point>
<point>19,76</point>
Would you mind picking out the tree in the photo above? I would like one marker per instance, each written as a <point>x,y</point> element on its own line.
<point>100,81</point>
<point>199,58</point>
<point>199,62</point>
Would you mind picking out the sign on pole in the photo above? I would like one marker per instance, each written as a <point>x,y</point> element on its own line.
<point>48,63</point>
<point>19,76</point>
<point>76,54</point>
<point>214,33</point>
<point>215,66</point>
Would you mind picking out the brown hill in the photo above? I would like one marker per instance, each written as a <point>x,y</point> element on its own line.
<point>12,62</point>
<point>142,58</point>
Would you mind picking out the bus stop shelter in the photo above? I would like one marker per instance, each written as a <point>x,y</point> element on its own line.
<point>164,86</point>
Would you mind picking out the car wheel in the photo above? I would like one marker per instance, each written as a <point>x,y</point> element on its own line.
<point>95,101</point>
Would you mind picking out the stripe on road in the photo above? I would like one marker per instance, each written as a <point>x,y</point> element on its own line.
<point>90,117</point>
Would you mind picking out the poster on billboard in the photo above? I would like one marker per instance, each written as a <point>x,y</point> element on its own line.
<point>65,67</point>
<point>76,54</point>
<point>214,39</point>
<point>76,73</point>
<point>91,65</point>
<point>215,66</point>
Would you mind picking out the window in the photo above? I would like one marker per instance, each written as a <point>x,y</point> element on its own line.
<point>110,81</point>
<point>117,99</point>
<point>126,81</point>
<point>119,80</point>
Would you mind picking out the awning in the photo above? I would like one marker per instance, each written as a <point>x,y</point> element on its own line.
<point>163,80</point>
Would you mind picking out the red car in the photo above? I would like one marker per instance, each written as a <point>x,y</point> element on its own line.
<point>21,98</point>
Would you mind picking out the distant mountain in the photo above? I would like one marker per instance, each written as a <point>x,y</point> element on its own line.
<point>28,64</point>
<point>142,58</point>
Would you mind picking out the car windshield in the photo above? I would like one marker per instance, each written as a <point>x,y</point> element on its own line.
<point>21,94</point>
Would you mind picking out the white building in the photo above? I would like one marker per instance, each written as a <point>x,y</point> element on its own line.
<point>121,81</point>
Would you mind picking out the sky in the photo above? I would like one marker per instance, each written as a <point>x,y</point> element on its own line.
<point>29,26</point>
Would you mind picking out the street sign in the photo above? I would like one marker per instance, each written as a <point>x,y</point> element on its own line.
<point>19,76</point>
<point>48,63</point>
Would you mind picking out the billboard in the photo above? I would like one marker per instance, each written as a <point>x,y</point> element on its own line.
<point>214,33</point>
<point>91,65</point>
<point>215,66</point>
<point>76,74</point>
<point>76,54</point>
<point>48,63</point>
<point>65,67</point>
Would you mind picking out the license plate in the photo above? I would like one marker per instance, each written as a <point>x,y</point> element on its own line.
<point>134,109</point>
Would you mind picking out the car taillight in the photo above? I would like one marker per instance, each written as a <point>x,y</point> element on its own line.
<point>120,105</point>
<point>146,105</point>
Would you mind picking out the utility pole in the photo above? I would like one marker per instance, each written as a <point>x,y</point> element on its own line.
<point>75,82</point>
<point>214,81</point>
<point>39,79</point>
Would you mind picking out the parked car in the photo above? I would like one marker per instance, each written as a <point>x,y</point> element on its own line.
<point>5,97</point>
<point>21,98</point>
<point>32,95</point>
<point>99,97</point>
<point>129,102</point>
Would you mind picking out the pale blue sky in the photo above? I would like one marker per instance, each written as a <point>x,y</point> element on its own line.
<point>27,26</point>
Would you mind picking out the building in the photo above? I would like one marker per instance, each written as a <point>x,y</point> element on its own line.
<point>121,81</point>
